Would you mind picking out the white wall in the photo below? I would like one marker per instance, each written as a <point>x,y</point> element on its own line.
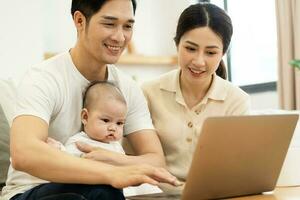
<point>21,42</point>
<point>156,22</point>
<point>30,28</point>
<point>265,100</point>
<point>59,33</point>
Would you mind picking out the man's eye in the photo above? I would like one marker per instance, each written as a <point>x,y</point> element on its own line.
<point>128,27</point>
<point>109,24</point>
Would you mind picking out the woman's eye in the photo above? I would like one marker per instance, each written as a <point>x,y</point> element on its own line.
<point>190,48</point>
<point>211,53</point>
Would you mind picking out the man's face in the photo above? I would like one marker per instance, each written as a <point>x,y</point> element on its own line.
<point>108,32</point>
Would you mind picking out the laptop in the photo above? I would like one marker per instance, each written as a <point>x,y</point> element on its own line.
<point>235,156</point>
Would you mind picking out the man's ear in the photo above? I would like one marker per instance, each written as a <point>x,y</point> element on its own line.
<point>84,116</point>
<point>79,20</point>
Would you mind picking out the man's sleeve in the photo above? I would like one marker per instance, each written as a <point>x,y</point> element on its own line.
<point>35,96</point>
<point>138,116</point>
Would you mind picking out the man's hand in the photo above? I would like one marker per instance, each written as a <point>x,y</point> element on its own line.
<point>133,175</point>
<point>130,174</point>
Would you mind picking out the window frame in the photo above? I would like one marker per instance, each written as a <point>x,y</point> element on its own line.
<point>251,88</point>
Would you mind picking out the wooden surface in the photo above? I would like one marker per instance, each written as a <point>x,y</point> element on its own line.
<point>136,59</point>
<point>281,193</point>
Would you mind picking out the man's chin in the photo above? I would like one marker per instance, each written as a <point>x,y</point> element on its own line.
<point>112,60</point>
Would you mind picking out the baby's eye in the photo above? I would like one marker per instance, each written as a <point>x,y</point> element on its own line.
<point>105,120</point>
<point>120,123</point>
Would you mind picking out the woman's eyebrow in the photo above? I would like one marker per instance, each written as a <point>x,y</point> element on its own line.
<point>209,47</point>
<point>191,43</point>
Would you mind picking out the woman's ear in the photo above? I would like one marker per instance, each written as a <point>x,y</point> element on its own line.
<point>79,20</point>
<point>84,116</point>
<point>177,45</point>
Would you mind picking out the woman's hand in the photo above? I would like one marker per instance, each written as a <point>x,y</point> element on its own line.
<point>100,154</point>
<point>133,175</point>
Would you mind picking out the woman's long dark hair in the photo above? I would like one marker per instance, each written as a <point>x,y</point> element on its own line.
<point>206,15</point>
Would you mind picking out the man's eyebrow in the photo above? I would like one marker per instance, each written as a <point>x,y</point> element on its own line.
<point>107,17</point>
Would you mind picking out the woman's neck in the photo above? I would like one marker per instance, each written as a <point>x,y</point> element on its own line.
<point>194,93</point>
<point>87,65</point>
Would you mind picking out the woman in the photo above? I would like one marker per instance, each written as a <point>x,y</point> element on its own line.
<point>182,99</point>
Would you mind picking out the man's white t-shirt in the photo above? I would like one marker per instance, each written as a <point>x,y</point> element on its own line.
<point>53,91</point>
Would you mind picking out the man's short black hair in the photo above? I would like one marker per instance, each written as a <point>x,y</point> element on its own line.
<point>89,7</point>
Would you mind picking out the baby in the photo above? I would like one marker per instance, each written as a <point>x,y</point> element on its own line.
<point>103,118</point>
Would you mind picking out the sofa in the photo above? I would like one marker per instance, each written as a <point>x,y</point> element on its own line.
<point>7,88</point>
<point>289,176</point>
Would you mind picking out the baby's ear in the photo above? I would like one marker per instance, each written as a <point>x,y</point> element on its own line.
<point>84,116</point>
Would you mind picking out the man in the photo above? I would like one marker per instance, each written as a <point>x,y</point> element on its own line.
<point>49,102</point>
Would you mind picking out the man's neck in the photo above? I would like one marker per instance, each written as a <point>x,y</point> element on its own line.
<point>90,68</point>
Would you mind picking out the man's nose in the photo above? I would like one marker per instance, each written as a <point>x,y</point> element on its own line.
<point>119,35</point>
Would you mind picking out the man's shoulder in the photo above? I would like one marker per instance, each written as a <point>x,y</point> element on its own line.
<point>126,84</point>
<point>119,76</point>
<point>50,69</point>
<point>56,62</point>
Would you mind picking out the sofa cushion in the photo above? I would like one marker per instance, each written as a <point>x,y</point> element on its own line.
<point>4,146</point>
<point>7,99</point>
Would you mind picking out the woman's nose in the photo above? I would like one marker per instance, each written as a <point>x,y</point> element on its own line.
<point>199,60</point>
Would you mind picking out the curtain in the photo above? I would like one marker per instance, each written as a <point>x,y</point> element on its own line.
<point>288,31</point>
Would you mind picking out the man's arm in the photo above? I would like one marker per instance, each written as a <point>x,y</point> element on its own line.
<point>30,153</point>
<point>145,144</point>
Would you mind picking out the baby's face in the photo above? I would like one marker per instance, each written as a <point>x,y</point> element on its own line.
<point>105,121</point>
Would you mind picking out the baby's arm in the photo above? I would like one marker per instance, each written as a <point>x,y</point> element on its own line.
<point>71,148</point>
<point>55,144</point>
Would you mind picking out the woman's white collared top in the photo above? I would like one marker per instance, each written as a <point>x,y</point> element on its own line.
<point>178,126</point>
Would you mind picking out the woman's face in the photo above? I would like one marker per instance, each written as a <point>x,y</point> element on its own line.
<point>200,51</point>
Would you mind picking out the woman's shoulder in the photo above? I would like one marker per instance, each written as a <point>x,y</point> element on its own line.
<point>163,79</point>
<point>233,91</point>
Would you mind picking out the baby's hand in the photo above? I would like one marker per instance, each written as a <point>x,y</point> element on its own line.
<point>54,143</point>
